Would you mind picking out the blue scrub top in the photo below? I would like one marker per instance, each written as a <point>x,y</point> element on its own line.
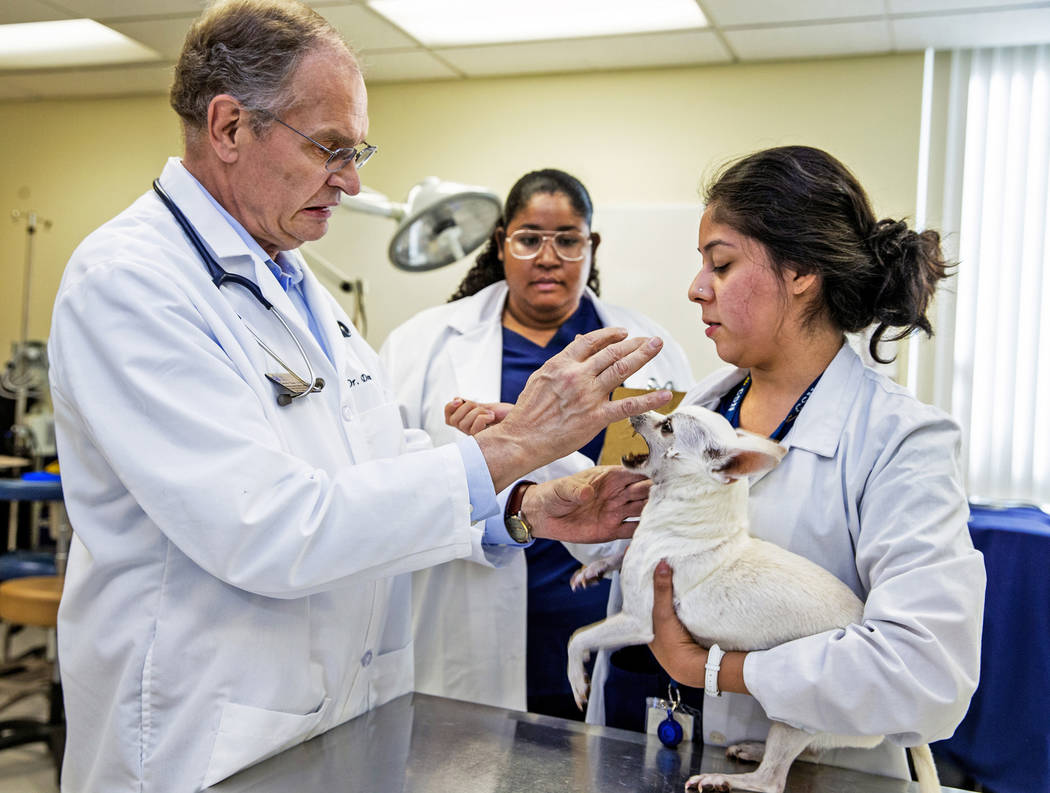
<point>522,357</point>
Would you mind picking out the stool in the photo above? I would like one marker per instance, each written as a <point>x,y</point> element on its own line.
<point>34,601</point>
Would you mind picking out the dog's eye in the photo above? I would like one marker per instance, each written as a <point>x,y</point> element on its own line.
<point>665,428</point>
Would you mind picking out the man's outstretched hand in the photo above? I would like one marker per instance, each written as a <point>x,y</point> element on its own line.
<point>565,403</point>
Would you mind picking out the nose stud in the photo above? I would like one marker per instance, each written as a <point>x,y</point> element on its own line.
<point>699,290</point>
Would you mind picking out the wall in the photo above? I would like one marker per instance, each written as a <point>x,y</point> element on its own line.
<point>635,138</point>
<point>76,163</point>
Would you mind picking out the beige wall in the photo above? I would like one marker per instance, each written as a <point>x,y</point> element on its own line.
<point>77,163</point>
<point>641,137</point>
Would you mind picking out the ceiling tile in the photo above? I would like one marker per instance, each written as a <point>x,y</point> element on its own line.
<point>166,36</point>
<point>77,43</point>
<point>472,23</point>
<point>927,6</point>
<point>115,9</point>
<point>618,52</point>
<point>387,67</point>
<point>364,29</point>
<point>759,12</point>
<point>985,29</point>
<point>12,11</point>
<point>810,41</point>
<point>93,82</point>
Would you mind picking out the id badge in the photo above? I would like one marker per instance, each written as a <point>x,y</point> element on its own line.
<point>659,710</point>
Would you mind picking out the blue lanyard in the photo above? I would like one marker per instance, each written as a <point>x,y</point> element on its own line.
<point>732,410</point>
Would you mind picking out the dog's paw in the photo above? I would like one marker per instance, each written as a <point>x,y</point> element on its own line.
<point>588,575</point>
<point>578,677</point>
<point>581,687</point>
<point>717,782</point>
<point>581,684</point>
<point>581,695</point>
<point>748,751</point>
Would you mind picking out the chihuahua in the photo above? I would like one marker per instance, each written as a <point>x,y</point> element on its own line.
<point>730,588</point>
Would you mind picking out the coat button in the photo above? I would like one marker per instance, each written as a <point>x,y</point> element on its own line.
<point>348,412</point>
<point>366,659</point>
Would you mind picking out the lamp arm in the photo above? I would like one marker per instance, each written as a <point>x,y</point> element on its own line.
<point>372,203</point>
<point>354,287</point>
<point>345,282</point>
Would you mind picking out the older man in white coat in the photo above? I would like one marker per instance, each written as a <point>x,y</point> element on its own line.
<point>233,461</point>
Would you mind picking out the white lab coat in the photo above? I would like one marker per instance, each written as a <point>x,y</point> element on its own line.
<point>236,584</point>
<point>870,490</point>
<point>469,620</point>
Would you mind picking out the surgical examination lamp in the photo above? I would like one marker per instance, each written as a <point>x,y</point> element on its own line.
<point>438,223</point>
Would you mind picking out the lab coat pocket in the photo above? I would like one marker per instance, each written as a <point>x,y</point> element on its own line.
<point>391,676</point>
<point>248,734</point>
<point>376,433</point>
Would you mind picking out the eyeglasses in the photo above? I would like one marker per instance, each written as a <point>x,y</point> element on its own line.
<point>338,158</point>
<point>569,246</point>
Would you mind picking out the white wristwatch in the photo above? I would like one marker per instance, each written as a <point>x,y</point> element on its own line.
<point>714,663</point>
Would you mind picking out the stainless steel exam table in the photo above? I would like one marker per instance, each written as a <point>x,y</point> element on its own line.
<point>423,744</point>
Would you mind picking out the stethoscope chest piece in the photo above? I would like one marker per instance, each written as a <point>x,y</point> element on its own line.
<point>291,386</point>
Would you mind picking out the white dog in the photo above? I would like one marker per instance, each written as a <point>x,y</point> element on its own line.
<point>730,588</point>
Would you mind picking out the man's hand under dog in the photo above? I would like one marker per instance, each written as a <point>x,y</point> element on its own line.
<point>589,506</point>
<point>565,403</point>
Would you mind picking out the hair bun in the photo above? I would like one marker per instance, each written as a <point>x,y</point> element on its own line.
<point>891,242</point>
<point>911,263</point>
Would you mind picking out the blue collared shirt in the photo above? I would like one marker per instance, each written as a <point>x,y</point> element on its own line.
<point>285,269</point>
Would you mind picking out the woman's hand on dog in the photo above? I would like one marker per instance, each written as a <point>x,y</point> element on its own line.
<point>589,506</point>
<point>472,417</point>
<point>674,648</point>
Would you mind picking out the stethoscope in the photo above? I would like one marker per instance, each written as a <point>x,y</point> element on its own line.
<point>292,385</point>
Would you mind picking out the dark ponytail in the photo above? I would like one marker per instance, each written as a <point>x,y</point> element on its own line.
<point>488,269</point>
<point>813,216</point>
<point>912,264</point>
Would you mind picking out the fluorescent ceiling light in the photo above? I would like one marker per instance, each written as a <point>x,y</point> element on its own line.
<point>452,22</point>
<point>67,42</point>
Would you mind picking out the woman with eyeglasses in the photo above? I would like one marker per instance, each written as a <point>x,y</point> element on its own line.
<point>497,635</point>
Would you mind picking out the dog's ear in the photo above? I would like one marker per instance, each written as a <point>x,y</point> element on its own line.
<point>752,454</point>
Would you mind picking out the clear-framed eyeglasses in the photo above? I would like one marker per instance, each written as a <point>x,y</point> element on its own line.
<point>337,158</point>
<point>569,246</point>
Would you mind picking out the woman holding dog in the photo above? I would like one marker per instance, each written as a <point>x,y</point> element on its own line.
<point>498,635</point>
<point>793,258</point>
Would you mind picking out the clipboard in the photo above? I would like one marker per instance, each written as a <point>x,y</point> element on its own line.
<point>620,438</point>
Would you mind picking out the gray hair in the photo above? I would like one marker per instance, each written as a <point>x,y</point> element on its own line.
<point>250,50</point>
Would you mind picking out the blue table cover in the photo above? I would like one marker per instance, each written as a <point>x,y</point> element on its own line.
<point>1004,741</point>
<point>30,489</point>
